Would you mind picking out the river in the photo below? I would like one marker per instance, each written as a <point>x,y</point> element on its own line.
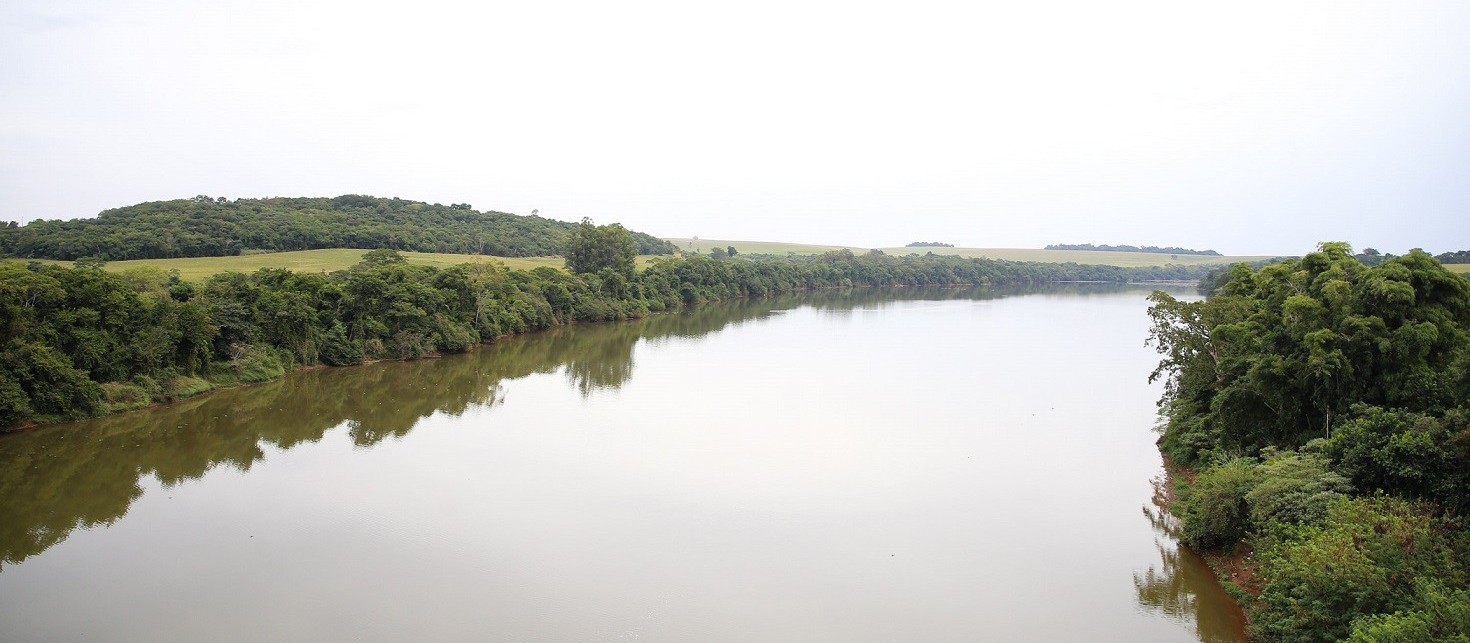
<point>864,465</point>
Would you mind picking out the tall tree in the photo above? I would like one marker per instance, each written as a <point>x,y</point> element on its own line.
<point>591,248</point>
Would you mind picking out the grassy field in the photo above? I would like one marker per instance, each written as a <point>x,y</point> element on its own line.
<point>1097,257</point>
<point>200,268</point>
<point>1126,259</point>
<point>703,246</point>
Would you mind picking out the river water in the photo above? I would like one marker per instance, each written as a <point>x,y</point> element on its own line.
<point>903,465</point>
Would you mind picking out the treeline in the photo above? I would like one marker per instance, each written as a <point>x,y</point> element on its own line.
<point>205,227</point>
<point>1325,405</point>
<point>1372,257</point>
<point>1458,256</point>
<point>1168,250</point>
<point>928,244</point>
<point>77,342</point>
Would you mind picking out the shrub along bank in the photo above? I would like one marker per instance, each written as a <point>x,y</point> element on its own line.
<point>1326,405</point>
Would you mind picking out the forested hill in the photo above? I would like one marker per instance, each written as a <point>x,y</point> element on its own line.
<point>205,227</point>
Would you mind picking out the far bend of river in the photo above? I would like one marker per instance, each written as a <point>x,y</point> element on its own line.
<point>903,465</point>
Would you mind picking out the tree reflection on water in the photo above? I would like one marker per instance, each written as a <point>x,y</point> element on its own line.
<point>56,479</point>
<point>1183,586</point>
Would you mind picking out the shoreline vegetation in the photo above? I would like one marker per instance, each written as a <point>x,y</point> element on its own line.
<point>1317,443</point>
<point>81,341</point>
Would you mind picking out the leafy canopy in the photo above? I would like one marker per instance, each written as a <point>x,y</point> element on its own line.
<point>593,248</point>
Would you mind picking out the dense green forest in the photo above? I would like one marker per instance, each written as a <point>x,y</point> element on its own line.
<point>82,341</point>
<point>205,227</point>
<point>1325,406</point>
<point>1166,250</point>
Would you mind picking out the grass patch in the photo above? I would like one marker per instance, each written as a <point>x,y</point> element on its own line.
<point>197,269</point>
<point>122,396</point>
<point>703,246</point>
<point>143,391</point>
<point>1462,268</point>
<point>186,386</point>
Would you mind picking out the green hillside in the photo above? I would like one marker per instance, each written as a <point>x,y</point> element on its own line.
<point>205,227</point>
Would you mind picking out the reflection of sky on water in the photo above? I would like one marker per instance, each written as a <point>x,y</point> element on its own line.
<point>925,466</point>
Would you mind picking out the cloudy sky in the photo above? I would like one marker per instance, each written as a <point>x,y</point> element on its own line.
<point>1247,127</point>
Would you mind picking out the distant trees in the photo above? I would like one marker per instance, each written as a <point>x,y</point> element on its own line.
<point>593,248</point>
<point>1166,250</point>
<point>1459,256</point>
<point>1372,257</point>
<point>929,244</point>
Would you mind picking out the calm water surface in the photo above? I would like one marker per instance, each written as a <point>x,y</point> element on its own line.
<point>860,466</point>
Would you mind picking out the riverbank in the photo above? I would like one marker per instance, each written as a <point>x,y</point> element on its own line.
<point>1236,568</point>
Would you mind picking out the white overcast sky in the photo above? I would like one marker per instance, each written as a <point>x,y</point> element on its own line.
<point>1247,127</point>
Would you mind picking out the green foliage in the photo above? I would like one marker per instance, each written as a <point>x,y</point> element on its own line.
<point>338,349</point>
<point>1213,507</point>
<point>123,396</point>
<point>1407,453</point>
<point>1371,556</point>
<point>1441,615</point>
<point>1229,503</point>
<point>1366,369</point>
<point>251,364</point>
<point>591,248</point>
<point>51,387</point>
<point>217,227</point>
<point>1280,353</point>
<point>1294,489</point>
